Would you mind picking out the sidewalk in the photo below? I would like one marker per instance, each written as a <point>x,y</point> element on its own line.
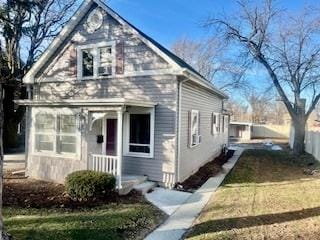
<point>182,219</point>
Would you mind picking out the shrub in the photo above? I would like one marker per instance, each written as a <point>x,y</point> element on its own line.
<point>82,185</point>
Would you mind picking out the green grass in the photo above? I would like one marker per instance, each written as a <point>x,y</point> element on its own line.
<point>123,221</point>
<point>266,196</point>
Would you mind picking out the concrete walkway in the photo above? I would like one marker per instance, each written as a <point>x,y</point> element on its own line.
<point>182,219</point>
<point>167,200</point>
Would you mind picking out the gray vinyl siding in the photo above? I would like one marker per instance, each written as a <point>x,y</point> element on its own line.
<point>194,97</point>
<point>57,81</point>
<point>158,89</point>
<point>137,55</point>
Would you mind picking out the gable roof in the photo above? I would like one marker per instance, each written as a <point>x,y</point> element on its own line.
<point>178,64</point>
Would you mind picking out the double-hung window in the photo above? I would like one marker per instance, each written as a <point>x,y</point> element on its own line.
<point>56,133</point>
<point>195,137</point>
<point>139,127</point>
<point>44,132</point>
<point>87,62</point>
<point>96,60</point>
<point>216,123</point>
<point>226,123</point>
<point>67,134</point>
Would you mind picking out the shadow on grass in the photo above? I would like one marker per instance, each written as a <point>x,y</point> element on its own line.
<point>70,234</point>
<point>94,225</point>
<point>219,225</point>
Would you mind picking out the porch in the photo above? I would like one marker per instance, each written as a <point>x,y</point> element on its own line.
<point>116,133</point>
<point>106,135</point>
<point>109,164</point>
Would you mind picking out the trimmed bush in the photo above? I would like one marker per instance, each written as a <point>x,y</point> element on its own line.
<point>82,185</point>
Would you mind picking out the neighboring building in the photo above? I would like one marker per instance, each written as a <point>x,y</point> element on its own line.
<point>240,130</point>
<point>104,96</point>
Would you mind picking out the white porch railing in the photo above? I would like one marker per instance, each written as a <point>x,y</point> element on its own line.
<point>103,163</point>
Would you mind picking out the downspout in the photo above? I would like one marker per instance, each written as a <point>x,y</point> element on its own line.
<point>180,82</point>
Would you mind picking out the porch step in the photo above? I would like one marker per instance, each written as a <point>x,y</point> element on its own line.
<point>145,187</point>
<point>129,182</point>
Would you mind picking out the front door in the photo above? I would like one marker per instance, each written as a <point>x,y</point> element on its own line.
<point>111,139</point>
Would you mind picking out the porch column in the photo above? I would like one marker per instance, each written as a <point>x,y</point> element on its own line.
<point>119,147</point>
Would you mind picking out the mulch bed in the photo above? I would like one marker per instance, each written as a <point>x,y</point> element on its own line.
<point>207,171</point>
<point>23,192</point>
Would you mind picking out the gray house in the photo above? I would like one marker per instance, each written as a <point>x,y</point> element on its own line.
<point>104,96</point>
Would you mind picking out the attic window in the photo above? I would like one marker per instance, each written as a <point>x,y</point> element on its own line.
<point>96,60</point>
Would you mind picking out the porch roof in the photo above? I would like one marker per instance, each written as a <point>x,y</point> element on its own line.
<point>87,103</point>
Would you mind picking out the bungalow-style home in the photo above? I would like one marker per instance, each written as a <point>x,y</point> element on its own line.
<point>106,97</point>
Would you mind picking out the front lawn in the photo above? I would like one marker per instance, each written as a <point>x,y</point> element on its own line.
<point>268,195</point>
<point>37,210</point>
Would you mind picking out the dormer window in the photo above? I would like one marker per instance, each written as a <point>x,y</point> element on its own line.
<point>96,60</point>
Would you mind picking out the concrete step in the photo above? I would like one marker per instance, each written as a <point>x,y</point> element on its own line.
<point>145,187</point>
<point>129,181</point>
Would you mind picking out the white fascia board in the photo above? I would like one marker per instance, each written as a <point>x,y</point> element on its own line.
<point>204,83</point>
<point>90,102</point>
<point>241,123</point>
<point>64,33</point>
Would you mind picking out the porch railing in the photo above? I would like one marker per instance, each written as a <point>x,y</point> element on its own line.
<point>103,163</point>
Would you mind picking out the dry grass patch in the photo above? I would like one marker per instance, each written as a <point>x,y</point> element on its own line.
<point>266,196</point>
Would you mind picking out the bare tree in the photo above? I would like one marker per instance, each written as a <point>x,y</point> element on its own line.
<point>239,110</point>
<point>26,28</point>
<point>259,102</point>
<point>287,46</point>
<point>207,57</point>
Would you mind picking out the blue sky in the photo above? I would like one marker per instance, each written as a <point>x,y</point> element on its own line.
<point>168,20</point>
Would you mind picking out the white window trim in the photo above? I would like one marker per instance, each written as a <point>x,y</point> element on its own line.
<point>96,59</point>
<point>55,112</point>
<point>126,133</point>
<point>198,130</point>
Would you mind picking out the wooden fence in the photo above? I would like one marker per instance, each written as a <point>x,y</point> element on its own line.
<point>312,142</point>
<point>270,131</point>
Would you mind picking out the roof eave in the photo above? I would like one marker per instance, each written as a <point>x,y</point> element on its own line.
<point>203,82</point>
<point>91,102</point>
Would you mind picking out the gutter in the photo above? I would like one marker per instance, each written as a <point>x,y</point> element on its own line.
<point>179,128</point>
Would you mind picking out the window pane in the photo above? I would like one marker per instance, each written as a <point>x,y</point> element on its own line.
<point>44,142</point>
<point>68,124</point>
<point>105,67</point>
<point>194,125</point>
<point>44,122</point>
<point>140,128</point>
<point>67,144</point>
<point>87,63</point>
<point>141,149</point>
